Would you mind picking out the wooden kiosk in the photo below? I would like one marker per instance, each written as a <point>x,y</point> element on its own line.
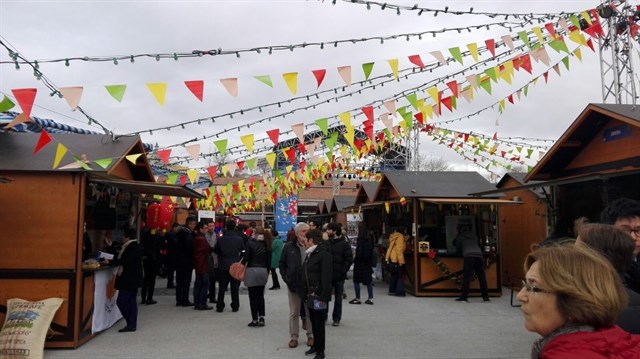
<point>44,213</point>
<point>432,206</point>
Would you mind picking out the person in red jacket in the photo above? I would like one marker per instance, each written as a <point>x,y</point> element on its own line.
<point>201,250</point>
<point>572,297</point>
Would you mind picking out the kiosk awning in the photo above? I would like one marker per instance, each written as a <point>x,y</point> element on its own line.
<point>148,187</point>
<point>468,201</point>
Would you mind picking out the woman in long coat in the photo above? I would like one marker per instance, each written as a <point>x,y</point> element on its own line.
<point>362,263</point>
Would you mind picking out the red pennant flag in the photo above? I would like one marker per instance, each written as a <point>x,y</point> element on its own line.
<point>183,180</point>
<point>368,111</point>
<point>550,29</point>
<point>196,88</point>
<point>590,44</point>
<point>453,86</point>
<point>546,76</point>
<point>633,33</point>
<point>164,155</point>
<point>516,63</point>
<point>447,103</point>
<point>212,172</point>
<point>419,117</point>
<point>368,130</point>
<point>44,139</point>
<point>466,137</point>
<point>510,98</point>
<point>503,153</point>
<point>25,98</point>
<point>491,46</point>
<point>416,60</point>
<point>303,164</point>
<point>240,165</point>
<point>302,148</point>
<point>495,136</point>
<point>319,75</point>
<point>274,135</point>
<point>525,63</point>
<point>291,154</point>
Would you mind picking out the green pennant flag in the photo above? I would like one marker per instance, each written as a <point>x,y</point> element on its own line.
<point>529,152</point>
<point>455,52</point>
<point>265,79</point>
<point>402,110</point>
<point>486,85</point>
<point>116,91</point>
<point>454,102</point>
<point>387,133</point>
<point>251,163</point>
<point>413,100</point>
<point>525,38</point>
<point>278,174</point>
<point>172,178</point>
<point>559,45</point>
<point>408,119</point>
<point>508,167</point>
<point>104,163</point>
<point>529,168</point>
<point>493,75</point>
<point>565,61</point>
<point>526,89</point>
<point>221,145</point>
<point>6,104</point>
<point>331,141</point>
<point>575,21</point>
<point>323,124</point>
<point>536,45</point>
<point>81,163</point>
<point>367,70</point>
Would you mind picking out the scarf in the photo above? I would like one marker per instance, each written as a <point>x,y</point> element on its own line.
<point>539,344</point>
<point>124,246</point>
<point>311,249</point>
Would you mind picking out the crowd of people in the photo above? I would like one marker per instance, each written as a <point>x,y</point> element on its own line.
<point>581,295</point>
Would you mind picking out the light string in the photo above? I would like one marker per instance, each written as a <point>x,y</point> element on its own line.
<point>115,59</point>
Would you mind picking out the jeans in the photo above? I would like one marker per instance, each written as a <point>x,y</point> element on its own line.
<point>256,301</point>
<point>338,288</point>
<point>471,265</point>
<point>226,279</point>
<point>126,302</point>
<point>200,289</point>
<point>396,286</point>
<point>356,287</point>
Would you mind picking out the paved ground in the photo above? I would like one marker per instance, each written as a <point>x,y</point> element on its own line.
<point>394,327</point>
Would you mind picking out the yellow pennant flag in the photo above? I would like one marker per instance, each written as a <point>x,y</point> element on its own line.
<point>585,15</point>
<point>578,38</point>
<point>289,168</point>
<point>349,136</point>
<point>133,158</point>
<point>473,49</point>
<point>158,90</point>
<point>394,67</point>
<point>291,79</point>
<point>271,159</point>
<point>538,32</point>
<point>345,117</point>
<point>60,152</point>
<point>387,207</point>
<point>578,54</point>
<point>193,175</point>
<point>225,169</point>
<point>427,112</point>
<point>248,141</point>
<point>433,92</point>
<point>343,151</point>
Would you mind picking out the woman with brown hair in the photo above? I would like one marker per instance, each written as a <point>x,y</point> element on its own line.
<point>572,297</point>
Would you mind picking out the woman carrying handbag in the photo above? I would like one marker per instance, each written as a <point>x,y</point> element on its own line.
<point>317,272</point>
<point>258,260</point>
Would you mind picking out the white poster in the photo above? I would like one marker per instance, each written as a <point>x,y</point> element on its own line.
<point>353,220</point>
<point>105,310</point>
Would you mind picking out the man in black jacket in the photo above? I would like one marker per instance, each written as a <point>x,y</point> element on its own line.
<point>229,248</point>
<point>184,262</point>
<point>342,255</point>
<point>129,279</point>
<point>291,260</point>
<point>624,213</point>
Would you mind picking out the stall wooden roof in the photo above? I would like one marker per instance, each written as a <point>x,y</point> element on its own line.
<point>449,184</point>
<point>341,202</point>
<point>366,192</point>
<point>16,150</point>
<point>581,148</point>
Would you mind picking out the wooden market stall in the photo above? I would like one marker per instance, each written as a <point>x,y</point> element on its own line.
<point>432,206</point>
<point>45,210</point>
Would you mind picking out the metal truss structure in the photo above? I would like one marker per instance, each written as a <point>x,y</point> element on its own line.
<point>616,65</point>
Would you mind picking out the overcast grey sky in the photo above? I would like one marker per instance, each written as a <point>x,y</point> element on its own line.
<point>60,29</point>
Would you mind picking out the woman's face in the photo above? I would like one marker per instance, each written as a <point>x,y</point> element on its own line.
<point>540,310</point>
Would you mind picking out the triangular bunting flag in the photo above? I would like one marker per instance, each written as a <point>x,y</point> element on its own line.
<point>6,104</point>
<point>271,159</point>
<point>274,135</point>
<point>158,90</point>
<point>25,98</point>
<point>438,55</point>
<point>231,85</point>
<point>247,141</point>
<point>43,140</point>
<point>416,60</point>
<point>251,163</point>
<point>104,163</point>
<point>116,91</point>
<point>133,158</point>
<point>265,79</point>
<point>212,172</point>
<point>194,151</point>
<point>72,95</point>
<point>323,125</point>
<point>473,49</point>
<point>393,63</point>
<point>61,150</point>
<point>508,41</point>
<point>319,75</point>
<point>345,74</point>
<point>221,145</point>
<point>298,129</point>
<point>291,79</point>
<point>196,87</point>
<point>193,175</point>
<point>366,68</point>
<point>164,155</point>
<point>455,52</point>
<point>390,105</point>
<point>491,46</point>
